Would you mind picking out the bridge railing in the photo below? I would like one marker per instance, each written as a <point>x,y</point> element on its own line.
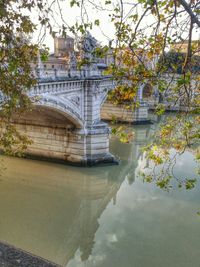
<point>66,74</point>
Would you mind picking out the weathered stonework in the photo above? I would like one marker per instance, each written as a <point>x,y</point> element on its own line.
<point>120,113</point>
<point>65,123</point>
<point>11,256</point>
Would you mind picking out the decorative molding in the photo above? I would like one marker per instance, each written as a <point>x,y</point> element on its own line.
<point>65,106</point>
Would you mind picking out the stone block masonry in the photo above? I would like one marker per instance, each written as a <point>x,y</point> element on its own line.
<point>120,113</point>
<point>65,125</point>
<point>59,144</point>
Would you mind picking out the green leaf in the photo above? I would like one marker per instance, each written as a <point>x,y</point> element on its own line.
<point>97,22</point>
<point>190,183</point>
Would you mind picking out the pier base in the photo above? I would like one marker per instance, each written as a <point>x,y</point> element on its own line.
<point>120,113</point>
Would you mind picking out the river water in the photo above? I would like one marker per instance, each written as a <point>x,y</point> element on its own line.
<point>100,216</point>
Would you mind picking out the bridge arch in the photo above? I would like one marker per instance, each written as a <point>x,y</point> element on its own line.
<point>147,90</point>
<point>63,108</point>
<point>53,132</point>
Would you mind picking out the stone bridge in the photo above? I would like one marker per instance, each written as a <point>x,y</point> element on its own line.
<point>65,123</point>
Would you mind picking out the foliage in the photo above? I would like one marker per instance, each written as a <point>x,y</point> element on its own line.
<point>144,29</point>
<point>124,134</point>
<point>174,137</point>
<point>174,61</point>
<point>16,77</point>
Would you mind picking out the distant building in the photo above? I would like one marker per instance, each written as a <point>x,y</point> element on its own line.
<point>183,46</point>
<point>52,63</point>
<point>60,59</point>
<point>63,47</point>
<point>55,63</point>
<point>65,56</point>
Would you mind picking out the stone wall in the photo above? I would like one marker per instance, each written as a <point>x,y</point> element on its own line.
<point>48,142</point>
<point>56,138</point>
<point>120,113</point>
<point>62,145</point>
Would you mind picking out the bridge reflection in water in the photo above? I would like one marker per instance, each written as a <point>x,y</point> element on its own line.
<point>53,210</point>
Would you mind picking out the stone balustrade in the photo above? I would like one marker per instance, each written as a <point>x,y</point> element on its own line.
<point>55,74</point>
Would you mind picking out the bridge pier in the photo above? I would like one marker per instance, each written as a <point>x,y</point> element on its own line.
<point>95,144</point>
<point>120,113</point>
<point>96,132</point>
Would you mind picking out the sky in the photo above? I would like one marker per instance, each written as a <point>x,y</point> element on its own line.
<point>104,33</point>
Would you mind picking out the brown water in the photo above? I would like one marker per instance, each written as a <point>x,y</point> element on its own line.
<point>102,216</point>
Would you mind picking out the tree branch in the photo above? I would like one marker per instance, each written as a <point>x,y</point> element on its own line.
<point>190,12</point>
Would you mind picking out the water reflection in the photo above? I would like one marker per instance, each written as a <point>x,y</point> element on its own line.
<point>63,213</point>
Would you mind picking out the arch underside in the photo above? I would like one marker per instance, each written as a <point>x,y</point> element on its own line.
<point>48,116</point>
<point>147,91</point>
<point>59,116</point>
<point>63,107</point>
<point>51,132</point>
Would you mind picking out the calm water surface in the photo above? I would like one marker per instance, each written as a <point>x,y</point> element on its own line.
<point>102,216</point>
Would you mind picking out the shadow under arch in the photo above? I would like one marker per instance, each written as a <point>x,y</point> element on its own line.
<point>51,129</point>
<point>147,90</point>
<point>65,114</point>
<point>64,108</point>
